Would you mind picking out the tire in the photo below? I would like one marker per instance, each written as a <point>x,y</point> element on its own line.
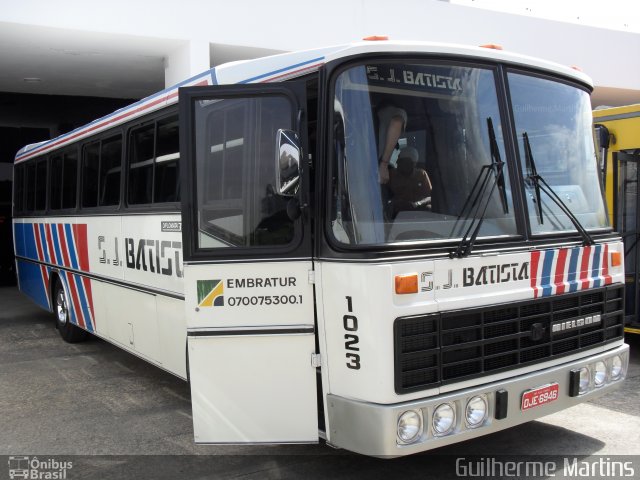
<point>68,331</point>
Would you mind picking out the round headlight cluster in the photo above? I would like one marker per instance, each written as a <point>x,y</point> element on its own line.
<point>444,419</point>
<point>476,411</point>
<point>409,426</point>
<point>616,367</point>
<point>599,374</point>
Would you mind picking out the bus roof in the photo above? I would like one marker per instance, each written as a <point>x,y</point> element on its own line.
<point>285,66</point>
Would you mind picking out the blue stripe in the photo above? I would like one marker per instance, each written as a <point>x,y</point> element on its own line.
<point>70,246</point>
<point>281,70</point>
<point>83,303</point>
<point>19,238</point>
<point>56,243</point>
<point>573,270</point>
<point>43,242</point>
<point>595,269</point>
<point>546,272</point>
<point>32,283</point>
<point>30,248</point>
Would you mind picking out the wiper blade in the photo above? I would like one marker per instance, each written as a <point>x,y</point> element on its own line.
<point>474,200</point>
<point>540,183</point>
<point>495,158</point>
<point>532,174</point>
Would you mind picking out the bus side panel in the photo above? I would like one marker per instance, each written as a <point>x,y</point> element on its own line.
<point>32,282</point>
<point>172,331</point>
<point>33,278</point>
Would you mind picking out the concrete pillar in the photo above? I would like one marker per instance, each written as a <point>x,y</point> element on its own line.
<point>185,62</point>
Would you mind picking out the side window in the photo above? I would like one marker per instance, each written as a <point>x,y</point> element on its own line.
<point>110,167</point>
<point>153,163</point>
<point>101,166</point>
<point>30,187</point>
<point>235,141</point>
<point>141,164</point>
<point>55,188</point>
<point>18,189</point>
<point>70,179</point>
<point>41,185</point>
<point>90,162</point>
<point>167,174</point>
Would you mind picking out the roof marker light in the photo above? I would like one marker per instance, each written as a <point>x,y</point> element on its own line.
<point>493,46</point>
<point>375,38</point>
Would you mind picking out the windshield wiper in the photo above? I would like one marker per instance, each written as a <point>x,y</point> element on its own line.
<point>539,183</point>
<point>474,203</point>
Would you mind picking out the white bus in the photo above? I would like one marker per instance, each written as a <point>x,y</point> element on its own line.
<point>392,246</point>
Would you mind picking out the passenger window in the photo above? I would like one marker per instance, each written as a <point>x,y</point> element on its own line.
<point>153,163</point>
<point>41,185</point>
<point>110,166</point>
<point>70,179</point>
<point>64,173</point>
<point>18,189</point>
<point>30,186</point>
<point>55,189</point>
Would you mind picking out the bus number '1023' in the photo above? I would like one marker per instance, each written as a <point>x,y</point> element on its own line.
<point>351,339</point>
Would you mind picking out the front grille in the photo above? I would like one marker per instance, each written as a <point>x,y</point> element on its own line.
<point>432,350</point>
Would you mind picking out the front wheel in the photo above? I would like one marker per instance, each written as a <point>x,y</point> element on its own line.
<point>68,331</point>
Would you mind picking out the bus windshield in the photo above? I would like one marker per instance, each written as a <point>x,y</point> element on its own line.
<point>414,145</point>
<point>419,154</point>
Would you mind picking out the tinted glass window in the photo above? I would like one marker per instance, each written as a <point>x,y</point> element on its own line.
<point>90,163</point>
<point>167,172</point>
<point>55,190</point>
<point>141,155</point>
<point>18,188</point>
<point>30,188</point>
<point>41,185</point>
<point>110,167</point>
<point>235,142</point>
<point>70,179</point>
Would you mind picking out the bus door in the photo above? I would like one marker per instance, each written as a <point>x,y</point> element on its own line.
<point>628,224</point>
<point>249,298</point>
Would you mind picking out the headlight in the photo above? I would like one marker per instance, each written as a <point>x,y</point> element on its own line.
<point>616,367</point>
<point>584,380</point>
<point>599,374</point>
<point>409,426</point>
<point>444,419</point>
<point>476,411</point>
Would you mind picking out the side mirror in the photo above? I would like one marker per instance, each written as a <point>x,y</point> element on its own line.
<point>288,153</point>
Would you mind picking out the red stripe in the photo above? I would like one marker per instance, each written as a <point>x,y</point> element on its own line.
<point>584,267</point>
<point>559,278</point>
<point>106,123</point>
<point>76,303</point>
<point>605,265</point>
<point>535,259</point>
<point>80,234</point>
<point>36,231</point>
<point>63,245</point>
<point>87,288</point>
<point>52,252</point>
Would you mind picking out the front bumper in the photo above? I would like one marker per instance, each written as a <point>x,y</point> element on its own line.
<point>371,429</point>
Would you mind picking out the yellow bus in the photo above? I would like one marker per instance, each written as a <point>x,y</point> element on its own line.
<point>619,135</point>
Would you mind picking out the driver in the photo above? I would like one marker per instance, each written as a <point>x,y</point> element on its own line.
<point>410,185</point>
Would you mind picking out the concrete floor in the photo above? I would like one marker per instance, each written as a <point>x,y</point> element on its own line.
<point>121,417</point>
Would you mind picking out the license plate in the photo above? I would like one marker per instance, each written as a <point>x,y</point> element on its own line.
<point>540,396</point>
